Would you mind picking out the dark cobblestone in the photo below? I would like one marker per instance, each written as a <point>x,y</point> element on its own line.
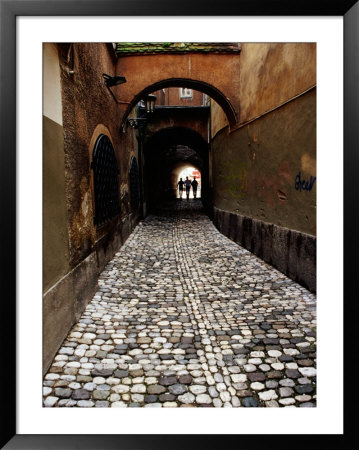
<point>184,317</point>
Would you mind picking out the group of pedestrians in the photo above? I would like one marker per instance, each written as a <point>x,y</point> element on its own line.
<point>187,185</point>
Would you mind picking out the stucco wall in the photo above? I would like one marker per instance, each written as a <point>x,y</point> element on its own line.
<point>218,118</point>
<point>256,169</point>
<point>263,170</point>
<point>55,236</point>
<point>264,188</point>
<point>213,74</point>
<point>271,74</point>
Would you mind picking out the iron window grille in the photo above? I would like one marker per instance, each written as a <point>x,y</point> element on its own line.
<point>134,183</point>
<point>105,170</point>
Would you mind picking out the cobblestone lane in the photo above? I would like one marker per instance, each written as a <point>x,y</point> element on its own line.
<point>184,317</point>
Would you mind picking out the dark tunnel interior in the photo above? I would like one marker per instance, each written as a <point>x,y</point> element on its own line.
<point>166,154</point>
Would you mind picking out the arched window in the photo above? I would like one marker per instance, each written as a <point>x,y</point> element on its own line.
<point>134,183</point>
<point>105,170</point>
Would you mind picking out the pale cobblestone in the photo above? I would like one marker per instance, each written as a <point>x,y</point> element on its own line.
<point>184,317</point>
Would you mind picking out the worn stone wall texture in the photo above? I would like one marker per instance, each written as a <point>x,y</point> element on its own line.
<point>267,169</point>
<point>63,304</point>
<point>291,252</point>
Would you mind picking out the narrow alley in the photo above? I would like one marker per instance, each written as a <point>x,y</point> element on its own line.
<point>185,317</point>
<point>179,224</point>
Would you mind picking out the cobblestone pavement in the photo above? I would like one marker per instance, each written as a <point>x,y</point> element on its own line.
<point>184,317</point>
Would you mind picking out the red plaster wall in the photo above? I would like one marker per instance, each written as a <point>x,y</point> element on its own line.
<point>142,71</point>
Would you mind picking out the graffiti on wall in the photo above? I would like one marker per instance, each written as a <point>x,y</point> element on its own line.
<point>301,184</point>
<point>234,174</point>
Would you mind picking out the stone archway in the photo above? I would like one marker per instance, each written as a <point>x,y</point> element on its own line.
<point>165,152</point>
<point>212,68</point>
<point>196,85</point>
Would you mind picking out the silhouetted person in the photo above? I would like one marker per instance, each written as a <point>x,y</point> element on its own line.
<point>194,187</point>
<point>180,187</point>
<point>188,186</point>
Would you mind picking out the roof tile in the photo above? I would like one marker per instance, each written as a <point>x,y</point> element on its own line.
<point>131,48</point>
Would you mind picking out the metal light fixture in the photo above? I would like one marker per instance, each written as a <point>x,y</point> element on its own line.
<point>150,103</point>
<point>137,122</point>
<point>113,81</point>
<point>144,109</point>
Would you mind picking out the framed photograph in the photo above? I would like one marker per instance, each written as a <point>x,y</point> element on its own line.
<point>34,114</point>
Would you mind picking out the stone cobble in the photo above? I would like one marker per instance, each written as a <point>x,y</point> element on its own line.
<point>184,317</point>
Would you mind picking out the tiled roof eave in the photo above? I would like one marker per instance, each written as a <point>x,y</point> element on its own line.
<point>175,48</point>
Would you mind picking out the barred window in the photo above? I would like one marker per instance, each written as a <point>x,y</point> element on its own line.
<point>134,183</point>
<point>105,170</point>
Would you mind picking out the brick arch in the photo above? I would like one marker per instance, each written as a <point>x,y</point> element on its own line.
<point>197,85</point>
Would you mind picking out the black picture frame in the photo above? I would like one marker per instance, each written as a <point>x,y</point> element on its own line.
<point>9,10</point>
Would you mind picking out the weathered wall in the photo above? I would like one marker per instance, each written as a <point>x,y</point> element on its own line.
<point>75,251</point>
<point>197,71</point>
<point>90,111</point>
<point>271,74</point>
<point>55,236</point>
<point>291,252</point>
<point>264,169</point>
<point>87,103</point>
<point>256,169</point>
<point>218,118</point>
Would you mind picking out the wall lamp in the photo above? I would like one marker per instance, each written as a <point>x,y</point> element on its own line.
<point>113,81</point>
<point>144,109</point>
<point>137,122</point>
<point>150,103</point>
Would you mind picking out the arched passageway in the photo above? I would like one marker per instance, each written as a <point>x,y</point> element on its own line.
<point>166,154</point>
<point>260,129</point>
<point>197,85</point>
